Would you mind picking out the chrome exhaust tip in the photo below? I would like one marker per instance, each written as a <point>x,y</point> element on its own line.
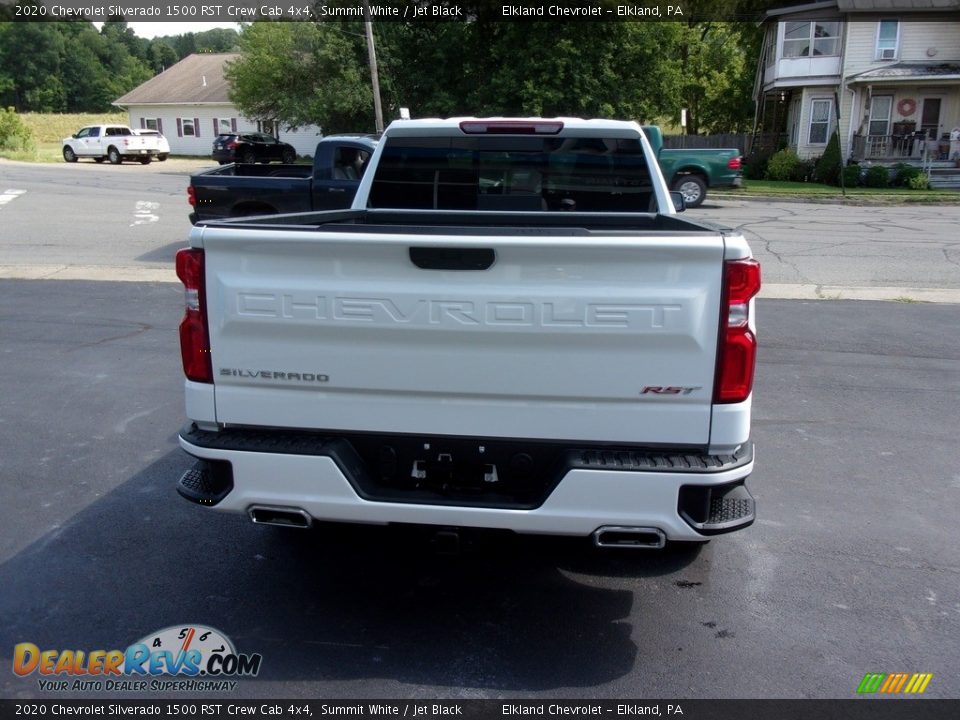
<point>640,538</point>
<point>281,516</point>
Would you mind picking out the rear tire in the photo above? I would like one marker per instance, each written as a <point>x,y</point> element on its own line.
<point>248,157</point>
<point>693,188</point>
<point>146,160</point>
<point>162,157</point>
<point>289,157</point>
<point>114,156</point>
<point>69,155</point>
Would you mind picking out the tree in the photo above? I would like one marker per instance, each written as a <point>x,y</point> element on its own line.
<point>66,66</point>
<point>302,74</point>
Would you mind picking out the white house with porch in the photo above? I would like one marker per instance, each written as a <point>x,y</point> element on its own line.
<point>886,73</point>
<point>189,104</point>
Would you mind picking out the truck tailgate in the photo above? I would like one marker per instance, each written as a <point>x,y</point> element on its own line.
<point>601,337</point>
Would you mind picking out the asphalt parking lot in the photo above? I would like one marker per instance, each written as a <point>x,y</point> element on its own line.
<point>850,568</point>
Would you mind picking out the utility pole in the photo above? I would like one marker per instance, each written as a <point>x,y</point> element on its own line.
<point>374,75</point>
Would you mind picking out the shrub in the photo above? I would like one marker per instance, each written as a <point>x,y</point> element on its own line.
<point>828,166</point>
<point>14,135</point>
<point>877,177</point>
<point>919,182</point>
<point>782,165</point>
<point>851,176</point>
<point>904,174</point>
<point>803,172</point>
<point>755,166</point>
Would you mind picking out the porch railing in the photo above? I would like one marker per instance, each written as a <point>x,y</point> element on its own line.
<point>888,147</point>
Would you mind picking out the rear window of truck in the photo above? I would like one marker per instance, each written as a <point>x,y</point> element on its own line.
<point>513,173</point>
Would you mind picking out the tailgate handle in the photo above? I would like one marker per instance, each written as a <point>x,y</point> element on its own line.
<point>452,258</point>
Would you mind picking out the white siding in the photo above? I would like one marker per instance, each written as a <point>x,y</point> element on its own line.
<point>916,38</point>
<point>921,41</point>
<point>804,148</point>
<point>304,140</point>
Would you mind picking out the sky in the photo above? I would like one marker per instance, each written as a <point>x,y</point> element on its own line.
<point>150,30</point>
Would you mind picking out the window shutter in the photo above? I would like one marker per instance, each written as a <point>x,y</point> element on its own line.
<point>160,126</point>
<point>233,124</point>
<point>179,127</point>
<point>143,123</point>
<point>196,126</point>
<point>216,130</point>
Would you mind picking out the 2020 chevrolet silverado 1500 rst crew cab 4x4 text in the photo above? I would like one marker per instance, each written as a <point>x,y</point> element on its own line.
<point>509,329</point>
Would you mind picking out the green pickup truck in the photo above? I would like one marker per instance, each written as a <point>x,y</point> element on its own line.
<point>692,171</point>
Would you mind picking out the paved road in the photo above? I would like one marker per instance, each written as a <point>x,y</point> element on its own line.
<point>835,247</point>
<point>851,567</point>
<point>134,217</point>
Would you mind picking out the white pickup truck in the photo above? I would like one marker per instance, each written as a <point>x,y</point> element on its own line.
<point>115,143</point>
<point>509,329</point>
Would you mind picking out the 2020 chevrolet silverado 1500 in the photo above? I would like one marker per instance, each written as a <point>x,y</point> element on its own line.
<point>509,329</point>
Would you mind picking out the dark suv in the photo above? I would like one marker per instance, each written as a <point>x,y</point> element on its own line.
<point>251,148</point>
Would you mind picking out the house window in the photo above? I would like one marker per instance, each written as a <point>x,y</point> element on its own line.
<point>225,125</point>
<point>187,127</point>
<point>881,108</point>
<point>771,46</point>
<point>151,124</point>
<point>888,39</point>
<point>268,126</point>
<point>820,121</point>
<point>806,39</point>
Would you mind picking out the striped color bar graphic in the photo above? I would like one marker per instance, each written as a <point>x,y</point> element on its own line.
<point>894,683</point>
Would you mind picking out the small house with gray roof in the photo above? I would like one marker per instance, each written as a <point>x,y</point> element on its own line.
<point>190,105</point>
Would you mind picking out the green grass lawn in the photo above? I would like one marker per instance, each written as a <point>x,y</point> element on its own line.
<point>49,130</point>
<point>773,188</point>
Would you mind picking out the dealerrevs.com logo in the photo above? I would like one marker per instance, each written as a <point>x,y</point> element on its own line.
<point>181,657</point>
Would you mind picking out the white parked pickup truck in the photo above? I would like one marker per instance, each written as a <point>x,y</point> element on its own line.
<point>115,143</point>
<point>510,329</point>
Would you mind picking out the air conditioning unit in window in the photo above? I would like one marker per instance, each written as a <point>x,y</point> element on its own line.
<point>888,54</point>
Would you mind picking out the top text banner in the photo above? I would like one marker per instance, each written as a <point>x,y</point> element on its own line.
<point>376,10</point>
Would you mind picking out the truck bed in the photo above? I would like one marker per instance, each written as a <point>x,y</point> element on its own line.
<point>258,171</point>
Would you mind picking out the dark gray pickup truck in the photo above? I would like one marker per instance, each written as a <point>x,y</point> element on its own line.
<point>237,190</point>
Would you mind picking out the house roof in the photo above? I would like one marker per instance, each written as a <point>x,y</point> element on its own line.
<point>855,6</point>
<point>898,5</point>
<point>197,78</point>
<point>909,71</point>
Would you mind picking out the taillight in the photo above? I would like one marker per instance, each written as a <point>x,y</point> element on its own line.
<point>511,127</point>
<point>192,195</point>
<point>737,354</point>
<point>232,145</point>
<point>735,163</point>
<point>194,336</point>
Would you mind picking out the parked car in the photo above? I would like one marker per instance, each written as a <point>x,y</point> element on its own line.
<point>692,171</point>
<point>115,143</point>
<point>251,147</point>
<point>338,164</point>
<point>163,147</point>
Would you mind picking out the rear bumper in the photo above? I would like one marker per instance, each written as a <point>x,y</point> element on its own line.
<point>270,469</point>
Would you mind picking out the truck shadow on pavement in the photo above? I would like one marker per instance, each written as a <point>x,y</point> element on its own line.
<point>350,611</point>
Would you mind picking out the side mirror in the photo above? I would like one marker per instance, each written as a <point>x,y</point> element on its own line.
<point>678,202</point>
<point>74,136</point>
